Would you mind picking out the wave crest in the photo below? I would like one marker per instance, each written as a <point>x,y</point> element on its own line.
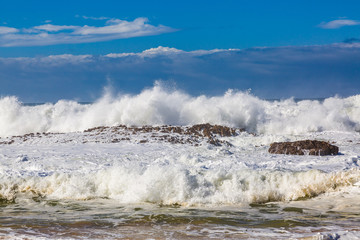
<point>159,106</point>
<point>174,185</point>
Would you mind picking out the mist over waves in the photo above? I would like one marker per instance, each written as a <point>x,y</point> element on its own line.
<point>159,105</point>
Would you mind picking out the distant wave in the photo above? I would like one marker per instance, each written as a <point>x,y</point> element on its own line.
<point>158,106</point>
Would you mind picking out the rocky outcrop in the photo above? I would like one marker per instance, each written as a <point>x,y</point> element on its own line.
<point>194,135</point>
<point>305,147</point>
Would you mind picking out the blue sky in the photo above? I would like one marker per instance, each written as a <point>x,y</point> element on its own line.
<point>314,30</point>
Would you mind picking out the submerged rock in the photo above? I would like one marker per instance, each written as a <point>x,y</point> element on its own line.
<point>305,147</point>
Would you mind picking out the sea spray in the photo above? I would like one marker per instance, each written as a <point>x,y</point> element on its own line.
<point>159,106</point>
<point>180,185</point>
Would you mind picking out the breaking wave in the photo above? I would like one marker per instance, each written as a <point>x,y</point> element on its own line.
<point>158,106</point>
<point>183,186</point>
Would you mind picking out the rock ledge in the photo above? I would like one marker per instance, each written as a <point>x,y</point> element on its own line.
<point>305,147</point>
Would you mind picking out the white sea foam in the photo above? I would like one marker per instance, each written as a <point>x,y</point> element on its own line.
<point>89,165</point>
<point>157,106</point>
<point>176,184</point>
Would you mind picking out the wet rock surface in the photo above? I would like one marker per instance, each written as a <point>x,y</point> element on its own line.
<point>193,135</point>
<point>305,147</point>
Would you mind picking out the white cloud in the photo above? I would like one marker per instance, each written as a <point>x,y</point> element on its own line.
<point>161,51</point>
<point>6,30</point>
<point>339,23</point>
<point>119,26</point>
<point>168,51</point>
<point>49,34</point>
<point>68,58</point>
<point>119,55</point>
<point>152,52</point>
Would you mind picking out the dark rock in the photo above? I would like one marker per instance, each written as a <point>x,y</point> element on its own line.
<point>173,134</point>
<point>305,147</point>
<point>208,130</point>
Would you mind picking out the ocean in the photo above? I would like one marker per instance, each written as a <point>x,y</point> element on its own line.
<point>142,166</point>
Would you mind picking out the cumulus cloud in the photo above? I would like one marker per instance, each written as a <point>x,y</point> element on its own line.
<point>50,34</point>
<point>339,23</point>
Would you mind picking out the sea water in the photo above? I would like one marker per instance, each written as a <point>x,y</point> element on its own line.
<point>67,183</point>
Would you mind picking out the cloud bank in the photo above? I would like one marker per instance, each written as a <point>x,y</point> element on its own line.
<point>49,34</point>
<point>282,72</point>
<point>339,23</point>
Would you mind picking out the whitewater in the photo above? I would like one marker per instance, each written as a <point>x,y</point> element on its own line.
<point>123,167</point>
<point>157,106</point>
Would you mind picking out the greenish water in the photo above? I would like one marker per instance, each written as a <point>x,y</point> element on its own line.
<point>104,219</point>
